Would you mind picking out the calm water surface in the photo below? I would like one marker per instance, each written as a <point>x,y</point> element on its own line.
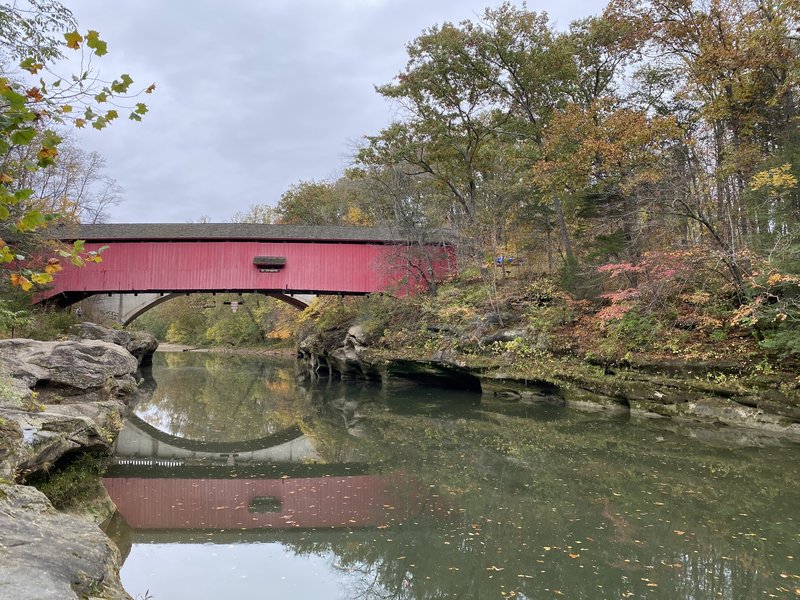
<point>236,481</point>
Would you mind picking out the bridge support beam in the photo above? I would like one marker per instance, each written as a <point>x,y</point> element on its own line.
<point>122,309</point>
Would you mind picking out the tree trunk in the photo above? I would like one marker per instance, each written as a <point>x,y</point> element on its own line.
<point>563,228</point>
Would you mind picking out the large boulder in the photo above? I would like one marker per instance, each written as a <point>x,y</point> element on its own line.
<point>139,343</point>
<point>330,353</point>
<point>69,370</point>
<point>35,440</point>
<point>48,555</point>
<point>57,398</point>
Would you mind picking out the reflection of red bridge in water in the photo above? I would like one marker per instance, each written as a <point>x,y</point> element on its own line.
<point>310,502</point>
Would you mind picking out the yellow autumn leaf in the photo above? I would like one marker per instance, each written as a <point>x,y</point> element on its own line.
<point>21,281</point>
<point>74,39</point>
<point>52,268</point>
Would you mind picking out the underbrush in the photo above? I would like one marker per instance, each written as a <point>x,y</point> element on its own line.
<point>73,482</point>
<point>519,320</point>
<point>19,319</point>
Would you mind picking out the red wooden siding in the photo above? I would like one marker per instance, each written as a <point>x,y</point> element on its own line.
<point>354,501</point>
<point>174,266</point>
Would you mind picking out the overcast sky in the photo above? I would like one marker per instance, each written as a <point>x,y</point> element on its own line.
<point>253,96</point>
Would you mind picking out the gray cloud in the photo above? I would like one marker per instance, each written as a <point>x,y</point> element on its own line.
<point>253,96</point>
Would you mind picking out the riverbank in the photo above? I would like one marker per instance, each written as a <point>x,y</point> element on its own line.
<point>531,343</point>
<point>60,401</point>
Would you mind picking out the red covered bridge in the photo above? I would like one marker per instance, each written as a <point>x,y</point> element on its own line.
<point>246,258</point>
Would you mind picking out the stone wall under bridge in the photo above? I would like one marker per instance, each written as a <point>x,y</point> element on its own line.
<point>122,309</point>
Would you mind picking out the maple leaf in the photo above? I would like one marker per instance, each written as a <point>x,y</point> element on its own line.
<point>20,281</point>
<point>30,65</point>
<point>95,43</point>
<point>53,266</point>
<point>74,39</point>
<point>35,94</point>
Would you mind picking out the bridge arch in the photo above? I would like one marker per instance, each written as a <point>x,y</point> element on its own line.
<point>126,308</point>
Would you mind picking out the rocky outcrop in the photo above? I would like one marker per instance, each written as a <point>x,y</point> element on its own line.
<point>56,399</point>
<point>69,371</point>
<point>338,355</point>
<point>504,335</point>
<point>48,555</point>
<point>34,441</point>
<point>139,343</point>
<point>699,392</point>
<point>435,372</point>
<point>661,396</point>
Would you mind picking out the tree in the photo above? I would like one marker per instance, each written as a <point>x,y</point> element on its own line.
<point>256,213</point>
<point>74,187</point>
<point>450,124</point>
<point>32,110</point>
<point>339,202</point>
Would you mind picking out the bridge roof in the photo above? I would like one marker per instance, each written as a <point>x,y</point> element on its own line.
<point>229,231</point>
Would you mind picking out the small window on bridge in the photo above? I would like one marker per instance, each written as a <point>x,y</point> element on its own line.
<point>269,264</point>
<point>264,504</point>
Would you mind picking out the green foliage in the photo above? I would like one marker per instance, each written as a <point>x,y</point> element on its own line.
<point>73,483</point>
<point>233,330</point>
<point>19,319</point>
<point>11,320</point>
<point>341,202</point>
<point>49,324</point>
<point>203,319</point>
<point>718,335</point>
<point>582,282</point>
<point>784,341</point>
<point>326,313</point>
<point>190,329</point>
<point>635,331</point>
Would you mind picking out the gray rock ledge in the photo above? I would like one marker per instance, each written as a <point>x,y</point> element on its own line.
<point>48,555</point>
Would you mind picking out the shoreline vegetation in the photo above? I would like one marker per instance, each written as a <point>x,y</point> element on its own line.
<point>527,341</point>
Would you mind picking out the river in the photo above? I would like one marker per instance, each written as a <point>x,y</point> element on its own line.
<point>237,480</point>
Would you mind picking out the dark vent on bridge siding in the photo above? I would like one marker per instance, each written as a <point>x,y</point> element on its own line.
<point>265,504</point>
<point>269,264</point>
